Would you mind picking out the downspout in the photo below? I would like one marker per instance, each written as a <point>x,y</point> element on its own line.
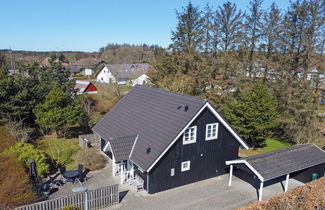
<point>147,182</point>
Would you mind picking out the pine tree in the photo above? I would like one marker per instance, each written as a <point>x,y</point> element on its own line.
<point>230,23</point>
<point>208,25</point>
<point>229,27</point>
<point>189,31</point>
<point>254,115</point>
<point>271,28</point>
<point>58,112</point>
<point>253,32</point>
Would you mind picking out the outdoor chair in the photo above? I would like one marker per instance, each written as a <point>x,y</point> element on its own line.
<point>62,171</point>
<point>46,188</point>
<point>80,168</point>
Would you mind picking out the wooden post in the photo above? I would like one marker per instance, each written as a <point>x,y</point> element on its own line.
<point>260,192</point>
<point>287,183</point>
<point>122,174</point>
<point>230,174</point>
<point>113,164</point>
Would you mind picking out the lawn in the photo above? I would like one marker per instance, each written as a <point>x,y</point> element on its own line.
<point>270,145</point>
<point>61,150</point>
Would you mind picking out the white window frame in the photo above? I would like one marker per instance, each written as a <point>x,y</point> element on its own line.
<point>189,141</point>
<point>211,129</point>
<point>186,168</point>
<point>172,172</point>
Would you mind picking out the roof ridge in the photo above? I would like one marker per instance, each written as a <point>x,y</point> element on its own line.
<point>170,92</point>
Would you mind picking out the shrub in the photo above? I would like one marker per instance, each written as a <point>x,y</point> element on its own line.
<point>15,188</point>
<point>19,131</point>
<point>70,208</point>
<point>24,152</point>
<point>6,139</point>
<point>91,159</point>
<point>60,151</point>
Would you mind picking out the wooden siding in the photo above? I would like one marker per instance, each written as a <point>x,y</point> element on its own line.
<point>305,175</point>
<point>207,157</point>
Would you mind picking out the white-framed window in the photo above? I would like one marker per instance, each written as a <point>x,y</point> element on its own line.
<point>186,165</point>
<point>211,131</point>
<point>189,135</point>
<point>172,172</point>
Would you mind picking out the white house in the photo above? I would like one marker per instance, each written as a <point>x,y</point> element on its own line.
<point>105,76</point>
<point>123,74</point>
<point>141,80</point>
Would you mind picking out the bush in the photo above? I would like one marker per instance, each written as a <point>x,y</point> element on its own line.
<point>91,159</point>
<point>61,152</point>
<point>6,139</point>
<point>24,152</point>
<point>18,131</point>
<point>70,208</point>
<point>15,188</point>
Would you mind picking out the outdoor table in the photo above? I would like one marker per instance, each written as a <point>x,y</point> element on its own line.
<point>71,174</point>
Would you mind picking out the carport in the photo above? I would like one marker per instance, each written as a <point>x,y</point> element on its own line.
<point>297,161</point>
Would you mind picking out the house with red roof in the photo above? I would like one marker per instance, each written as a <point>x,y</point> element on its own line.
<point>85,87</point>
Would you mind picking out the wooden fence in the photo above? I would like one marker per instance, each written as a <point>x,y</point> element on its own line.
<point>97,199</point>
<point>86,140</point>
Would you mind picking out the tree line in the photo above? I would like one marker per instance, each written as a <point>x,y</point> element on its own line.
<point>127,53</point>
<point>224,53</point>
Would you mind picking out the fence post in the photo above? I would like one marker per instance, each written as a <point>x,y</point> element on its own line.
<point>86,200</point>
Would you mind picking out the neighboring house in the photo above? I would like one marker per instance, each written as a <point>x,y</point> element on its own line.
<point>81,65</point>
<point>123,74</point>
<point>13,72</point>
<point>141,80</point>
<point>74,69</point>
<point>164,139</point>
<point>87,62</point>
<point>85,87</point>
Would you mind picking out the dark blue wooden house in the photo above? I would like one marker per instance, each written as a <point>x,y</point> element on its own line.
<point>163,139</point>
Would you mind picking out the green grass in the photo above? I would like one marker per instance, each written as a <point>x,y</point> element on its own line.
<point>270,145</point>
<point>61,150</point>
<point>321,109</point>
<point>125,88</point>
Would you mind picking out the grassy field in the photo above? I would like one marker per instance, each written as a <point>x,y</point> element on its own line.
<point>270,145</point>
<point>62,150</point>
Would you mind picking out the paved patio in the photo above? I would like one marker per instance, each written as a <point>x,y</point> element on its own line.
<point>212,193</point>
<point>96,179</point>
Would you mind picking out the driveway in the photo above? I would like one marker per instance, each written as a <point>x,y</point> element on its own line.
<point>212,193</point>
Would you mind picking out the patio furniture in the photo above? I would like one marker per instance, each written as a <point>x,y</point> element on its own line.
<point>72,176</point>
<point>46,188</point>
<point>62,171</point>
<point>80,168</point>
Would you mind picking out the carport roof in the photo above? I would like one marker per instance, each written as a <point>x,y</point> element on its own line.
<point>278,163</point>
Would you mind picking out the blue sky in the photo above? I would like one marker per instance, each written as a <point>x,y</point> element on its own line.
<point>87,25</point>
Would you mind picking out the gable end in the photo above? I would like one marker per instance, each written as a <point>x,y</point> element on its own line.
<point>221,120</point>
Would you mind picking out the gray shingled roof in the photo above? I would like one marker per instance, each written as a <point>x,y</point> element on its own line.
<point>128,71</point>
<point>156,115</point>
<point>278,163</point>
<point>122,147</point>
